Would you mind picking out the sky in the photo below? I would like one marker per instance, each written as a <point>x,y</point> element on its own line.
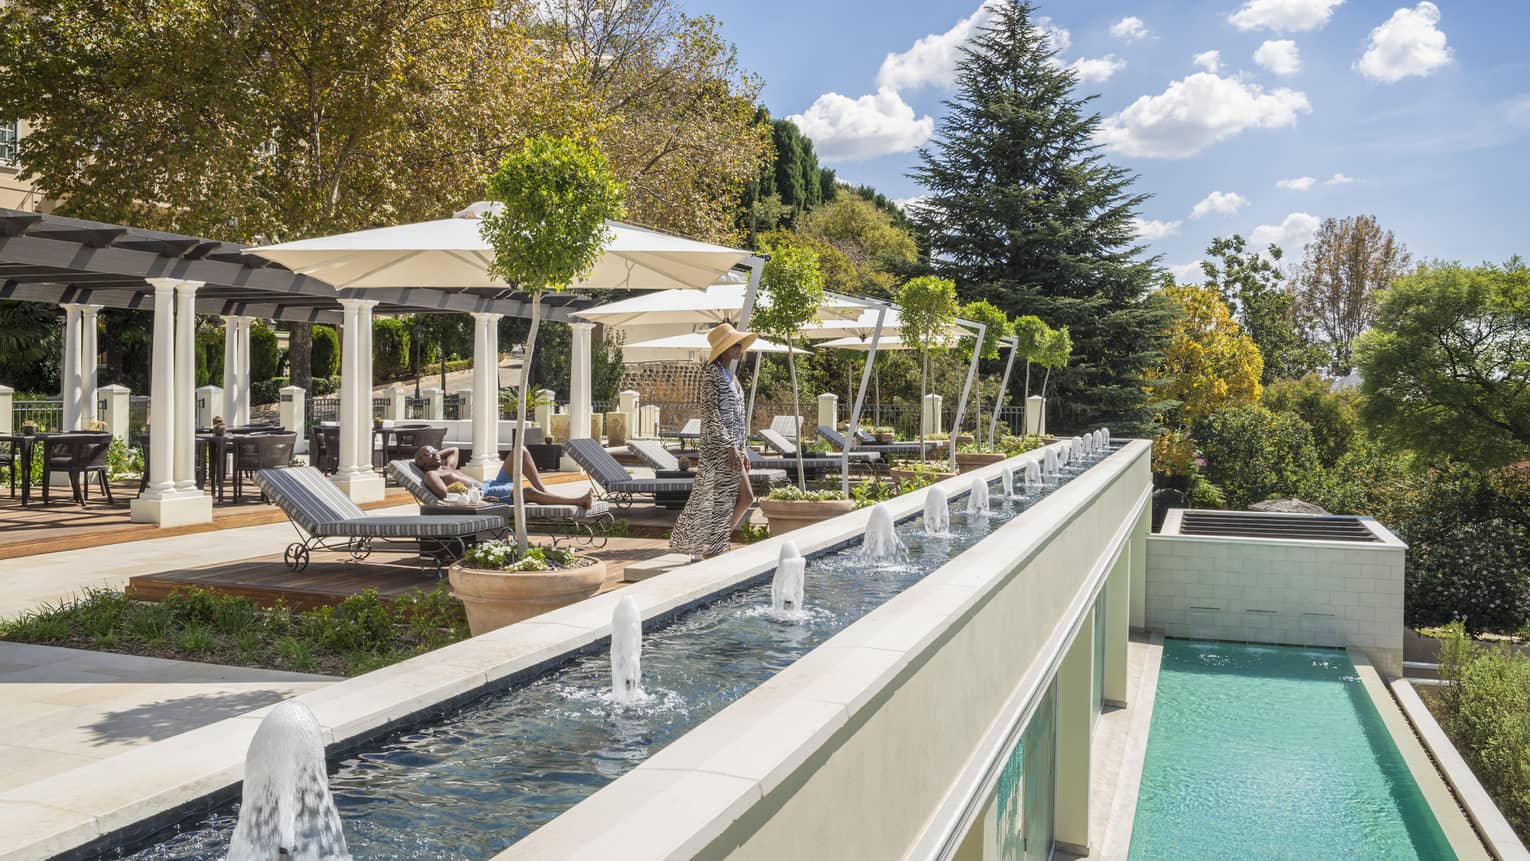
<point>1257,117</point>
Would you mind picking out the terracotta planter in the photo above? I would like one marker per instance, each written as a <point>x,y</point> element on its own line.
<point>883,438</point>
<point>494,599</point>
<point>788,514</point>
<point>972,460</point>
<point>906,474</point>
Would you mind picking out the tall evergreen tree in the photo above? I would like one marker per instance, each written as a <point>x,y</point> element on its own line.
<point>1024,212</point>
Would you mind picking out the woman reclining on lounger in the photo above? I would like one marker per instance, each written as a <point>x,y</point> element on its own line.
<point>440,468</point>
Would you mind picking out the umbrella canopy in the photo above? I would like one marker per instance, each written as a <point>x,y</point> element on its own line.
<point>859,326</point>
<point>718,303</point>
<point>690,346</point>
<point>888,342</point>
<point>450,253</point>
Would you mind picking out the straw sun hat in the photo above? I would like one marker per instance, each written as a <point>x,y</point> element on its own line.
<point>724,336</point>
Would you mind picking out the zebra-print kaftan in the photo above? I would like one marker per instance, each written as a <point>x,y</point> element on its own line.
<point>702,529</point>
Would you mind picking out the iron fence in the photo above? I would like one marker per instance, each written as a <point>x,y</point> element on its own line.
<point>138,417</point>
<point>46,413</point>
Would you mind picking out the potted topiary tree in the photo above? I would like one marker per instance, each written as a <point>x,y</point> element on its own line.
<point>791,289</point>
<point>927,308</point>
<point>1031,338</point>
<point>1054,354</point>
<point>500,584</point>
<point>995,329</point>
<point>554,197</point>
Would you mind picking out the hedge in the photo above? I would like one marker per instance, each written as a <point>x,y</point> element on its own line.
<point>324,356</point>
<point>265,356</point>
<point>390,347</point>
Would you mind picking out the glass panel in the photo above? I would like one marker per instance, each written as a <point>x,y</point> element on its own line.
<point>1040,744</point>
<point>1099,654</point>
<point>10,134</point>
<point>1011,808</point>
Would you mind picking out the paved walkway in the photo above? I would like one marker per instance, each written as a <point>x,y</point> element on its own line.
<point>65,708</point>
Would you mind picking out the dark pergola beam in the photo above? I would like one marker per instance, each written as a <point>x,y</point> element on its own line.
<point>61,294</point>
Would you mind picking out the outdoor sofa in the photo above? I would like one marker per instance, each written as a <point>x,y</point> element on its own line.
<point>591,525</point>
<point>326,519</point>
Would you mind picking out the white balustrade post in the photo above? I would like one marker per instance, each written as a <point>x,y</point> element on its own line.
<point>627,403</point>
<point>397,410</point>
<point>648,421</point>
<point>435,404</point>
<point>69,394</point>
<point>930,416</point>
<point>291,404</point>
<point>209,405</point>
<point>828,410</point>
<point>1035,415</point>
<point>7,409</point>
<point>242,399</point>
<point>88,364</point>
<point>113,403</point>
<point>161,502</point>
<point>185,386</point>
<point>230,370</point>
<point>544,411</point>
<point>580,401</point>
<point>486,460</point>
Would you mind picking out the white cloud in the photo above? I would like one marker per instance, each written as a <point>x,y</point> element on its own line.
<point>1097,69</point>
<point>1279,56</point>
<point>1187,273</point>
<point>1196,112</point>
<point>1406,44</point>
<point>1339,179</point>
<point>931,60</point>
<point>1150,229</point>
<point>1211,61</point>
<point>1130,28</point>
<point>846,129</point>
<point>1224,202</point>
<point>1299,183</point>
<point>1283,16</point>
<point>1290,234</point>
<point>908,204</point>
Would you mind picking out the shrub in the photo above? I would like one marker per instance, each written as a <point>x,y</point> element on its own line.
<point>324,356</point>
<point>1254,454</point>
<point>390,347</point>
<point>264,392</point>
<point>1486,713</point>
<point>265,357</point>
<point>1332,415</point>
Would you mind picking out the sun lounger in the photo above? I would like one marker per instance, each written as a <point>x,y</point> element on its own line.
<point>789,427</point>
<point>327,519</point>
<point>655,456</point>
<point>813,466</point>
<point>910,449</point>
<point>591,525</point>
<point>691,430</point>
<point>612,483</point>
<point>785,449</point>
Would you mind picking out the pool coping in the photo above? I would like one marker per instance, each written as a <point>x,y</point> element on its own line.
<point>1123,806</point>
<point>1453,821</point>
<point>131,796</point>
<point>1493,829</point>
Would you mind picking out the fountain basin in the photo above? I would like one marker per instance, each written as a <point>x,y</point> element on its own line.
<point>787,515</point>
<point>494,599</point>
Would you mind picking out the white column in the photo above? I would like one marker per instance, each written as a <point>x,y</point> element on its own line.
<point>292,402</point>
<point>486,460</point>
<point>828,410</point>
<point>648,421</point>
<point>88,363</point>
<point>71,393</point>
<point>160,502</point>
<point>185,386</point>
<point>579,388</point>
<point>1075,725</point>
<point>355,476</point>
<point>230,370</point>
<point>7,408</point>
<point>242,398</point>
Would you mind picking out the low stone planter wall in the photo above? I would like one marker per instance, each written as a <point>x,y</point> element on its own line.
<point>788,514</point>
<point>973,460</point>
<point>494,599</point>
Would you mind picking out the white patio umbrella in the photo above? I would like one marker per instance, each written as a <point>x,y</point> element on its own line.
<point>692,346</point>
<point>718,303</point>
<point>861,326</point>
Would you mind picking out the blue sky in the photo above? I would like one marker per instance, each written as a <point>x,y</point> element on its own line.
<point>1416,112</point>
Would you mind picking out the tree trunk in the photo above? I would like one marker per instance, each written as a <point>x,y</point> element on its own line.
<point>1044,379</point>
<point>791,366</point>
<point>1025,403</point>
<point>300,355</point>
<point>924,381</point>
<point>519,447</point>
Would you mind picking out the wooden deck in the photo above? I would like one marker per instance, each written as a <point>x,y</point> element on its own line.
<point>331,577</point>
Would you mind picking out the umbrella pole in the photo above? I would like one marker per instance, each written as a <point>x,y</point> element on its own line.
<point>998,401</point>
<point>754,385</point>
<point>961,406</point>
<point>860,400</point>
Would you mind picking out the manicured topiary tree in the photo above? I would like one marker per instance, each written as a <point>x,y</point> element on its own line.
<point>1031,337</point>
<point>996,328</point>
<point>1055,354</point>
<point>926,308</point>
<point>792,289</point>
<point>555,196</point>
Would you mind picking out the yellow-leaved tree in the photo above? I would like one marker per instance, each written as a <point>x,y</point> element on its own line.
<point>1210,362</point>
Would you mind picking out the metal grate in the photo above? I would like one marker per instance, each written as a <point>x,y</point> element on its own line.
<point>1252,524</point>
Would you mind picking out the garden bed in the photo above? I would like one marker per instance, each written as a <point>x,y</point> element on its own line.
<point>362,633</point>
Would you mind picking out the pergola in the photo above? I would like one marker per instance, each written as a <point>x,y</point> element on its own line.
<point>83,266</point>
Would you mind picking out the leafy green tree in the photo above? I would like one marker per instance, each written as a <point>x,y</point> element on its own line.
<point>926,308</point>
<point>1447,365</point>
<point>996,329</point>
<point>325,354</point>
<point>390,347</point>
<point>874,248</point>
<point>265,356</point>
<point>1210,363</point>
<point>1056,354</point>
<point>1333,415</point>
<point>1252,284</point>
<point>1023,211</point>
<point>1032,337</point>
<point>1344,269</point>
<point>1254,454</point>
<point>555,196</point>
<point>30,342</point>
<point>793,286</point>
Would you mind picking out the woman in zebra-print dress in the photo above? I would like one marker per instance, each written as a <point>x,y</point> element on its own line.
<point>721,496</point>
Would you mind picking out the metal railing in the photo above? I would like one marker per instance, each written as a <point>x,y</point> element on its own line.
<point>47,414</point>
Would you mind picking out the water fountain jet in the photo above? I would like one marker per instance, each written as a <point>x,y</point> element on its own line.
<point>1033,479</point>
<point>977,497</point>
<point>1007,482</point>
<point>287,809</point>
<point>881,542</point>
<point>786,588</point>
<point>626,652</point>
<point>937,514</point>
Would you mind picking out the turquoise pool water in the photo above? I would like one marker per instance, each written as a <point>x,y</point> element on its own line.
<point>1265,752</point>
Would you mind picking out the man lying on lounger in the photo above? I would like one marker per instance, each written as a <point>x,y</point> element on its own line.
<point>440,468</point>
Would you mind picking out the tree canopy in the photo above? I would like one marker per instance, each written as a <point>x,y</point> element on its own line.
<point>1210,363</point>
<point>1345,267</point>
<point>1252,285</point>
<point>1023,211</point>
<point>1447,364</point>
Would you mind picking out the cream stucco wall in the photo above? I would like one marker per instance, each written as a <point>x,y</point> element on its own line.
<point>16,193</point>
<point>879,743</point>
<point>1319,593</point>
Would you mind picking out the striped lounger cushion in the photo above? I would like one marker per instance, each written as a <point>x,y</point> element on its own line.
<point>319,508</point>
<point>412,479</point>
